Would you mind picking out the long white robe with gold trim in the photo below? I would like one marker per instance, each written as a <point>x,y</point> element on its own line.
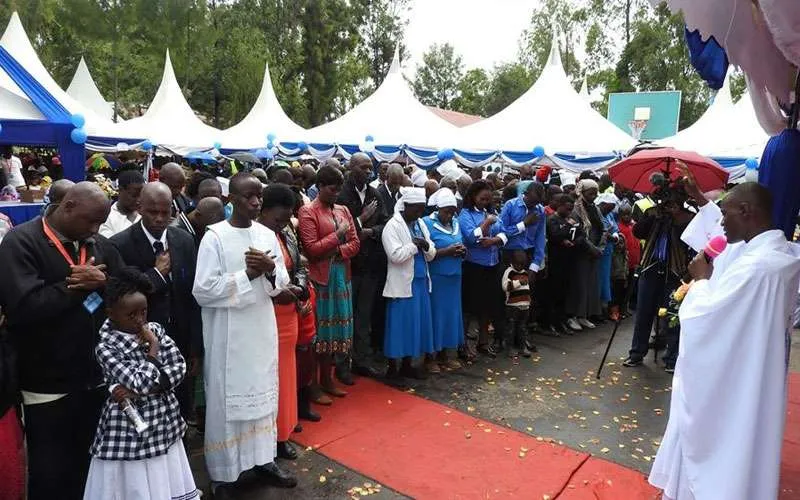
<point>241,349</point>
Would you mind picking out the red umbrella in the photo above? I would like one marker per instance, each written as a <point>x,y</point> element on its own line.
<point>634,171</point>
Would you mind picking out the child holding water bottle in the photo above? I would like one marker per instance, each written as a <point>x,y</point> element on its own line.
<point>137,450</point>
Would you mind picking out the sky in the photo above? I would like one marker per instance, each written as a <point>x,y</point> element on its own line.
<point>483,32</point>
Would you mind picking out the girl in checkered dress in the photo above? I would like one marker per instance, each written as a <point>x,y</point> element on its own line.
<point>142,365</point>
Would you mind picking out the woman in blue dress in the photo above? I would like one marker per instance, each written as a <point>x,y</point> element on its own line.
<point>606,203</point>
<point>409,329</point>
<point>445,269</point>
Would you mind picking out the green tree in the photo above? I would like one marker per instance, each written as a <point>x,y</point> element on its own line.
<point>384,22</point>
<point>509,82</point>
<point>657,59</point>
<point>473,90</point>
<point>536,40</point>
<point>437,78</point>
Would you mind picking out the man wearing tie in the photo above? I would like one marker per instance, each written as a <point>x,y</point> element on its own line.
<point>168,256</point>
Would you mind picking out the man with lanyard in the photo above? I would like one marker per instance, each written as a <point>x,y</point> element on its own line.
<point>51,290</point>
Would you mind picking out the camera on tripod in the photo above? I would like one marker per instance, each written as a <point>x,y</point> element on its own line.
<point>668,193</point>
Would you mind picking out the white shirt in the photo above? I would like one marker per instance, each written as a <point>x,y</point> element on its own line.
<point>152,239</point>
<point>13,169</point>
<point>117,221</point>
<point>362,193</point>
<point>377,182</point>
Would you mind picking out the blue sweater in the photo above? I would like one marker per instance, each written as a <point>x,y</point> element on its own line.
<point>531,237</point>
<point>470,220</point>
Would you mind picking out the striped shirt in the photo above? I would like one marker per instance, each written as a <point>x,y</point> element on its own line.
<point>515,284</point>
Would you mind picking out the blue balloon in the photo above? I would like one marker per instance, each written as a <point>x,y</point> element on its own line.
<point>270,145</point>
<point>369,138</point>
<point>78,135</point>
<point>302,146</point>
<point>270,137</point>
<point>217,145</point>
<point>538,151</point>
<point>77,120</point>
<point>147,145</point>
<point>445,154</point>
<point>751,164</point>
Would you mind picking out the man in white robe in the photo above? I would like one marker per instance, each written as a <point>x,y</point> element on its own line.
<point>725,429</point>
<point>239,270</point>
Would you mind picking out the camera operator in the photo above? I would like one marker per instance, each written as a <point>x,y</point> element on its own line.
<point>664,263</point>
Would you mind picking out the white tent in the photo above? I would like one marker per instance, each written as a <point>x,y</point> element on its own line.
<point>392,115</point>
<point>725,129</point>
<point>266,117</point>
<point>16,107</point>
<point>550,114</point>
<point>16,42</point>
<point>169,122</point>
<point>83,89</point>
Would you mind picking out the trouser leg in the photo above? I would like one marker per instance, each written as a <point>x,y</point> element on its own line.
<point>651,285</point>
<point>58,436</point>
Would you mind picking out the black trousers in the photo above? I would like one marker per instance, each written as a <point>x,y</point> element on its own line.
<point>58,436</point>
<point>654,290</point>
<point>515,328</point>
<point>367,287</point>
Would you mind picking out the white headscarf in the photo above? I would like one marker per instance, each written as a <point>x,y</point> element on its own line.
<point>419,177</point>
<point>410,195</point>
<point>442,198</point>
<point>585,184</point>
<point>567,178</point>
<point>607,198</point>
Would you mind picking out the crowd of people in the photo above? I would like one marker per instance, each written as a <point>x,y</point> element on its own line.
<point>237,304</point>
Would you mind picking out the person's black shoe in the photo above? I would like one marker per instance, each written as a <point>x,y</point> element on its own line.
<point>525,352</point>
<point>286,451</point>
<point>414,372</point>
<point>344,377</point>
<point>366,371</point>
<point>395,379</point>
<point>222,491</point>
<point>275,476</point>
<point>304,410</point>
<point>632,362</point>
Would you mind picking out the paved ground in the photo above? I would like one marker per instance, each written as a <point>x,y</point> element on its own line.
<point>554,395</point>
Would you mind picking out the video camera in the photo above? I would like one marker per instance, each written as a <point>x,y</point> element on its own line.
<point>667,192</point>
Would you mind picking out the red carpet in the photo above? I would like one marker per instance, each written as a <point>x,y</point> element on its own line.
<point>429,451</point>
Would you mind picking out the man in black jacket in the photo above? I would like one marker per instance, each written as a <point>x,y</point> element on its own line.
<point>389,191</point>
<point>368,267</point>
<point>208,211</point>
<point>51,284</point>
<point>168,256</point>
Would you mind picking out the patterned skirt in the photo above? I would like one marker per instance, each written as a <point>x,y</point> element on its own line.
<point>334,312</point>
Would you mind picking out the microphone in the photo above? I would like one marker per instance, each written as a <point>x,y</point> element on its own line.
<point>714,247</point>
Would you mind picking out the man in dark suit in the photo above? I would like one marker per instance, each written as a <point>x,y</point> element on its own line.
<point>368,267</point>
<point>168,256</point>
<point>389,191</point>
<point>172,175</point>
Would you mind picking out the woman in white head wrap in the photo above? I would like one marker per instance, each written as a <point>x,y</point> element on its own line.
<point>583,299</point>
<point>607,203</point>
<point>445,269</point>
<point>409,248</point>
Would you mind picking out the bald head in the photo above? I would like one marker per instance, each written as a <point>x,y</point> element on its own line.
<point>208,211</point>
<point>172,175</point>
<point>81,211</point>
<point>359,159</point>
<point>747,212</point>
<point>58,190</point>
<point>395,176</point>
<point>283,176</point>
<point>156,207</point>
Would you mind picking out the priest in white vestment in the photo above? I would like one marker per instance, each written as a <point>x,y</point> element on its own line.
<point>239,270</point>
<point>725,430</point>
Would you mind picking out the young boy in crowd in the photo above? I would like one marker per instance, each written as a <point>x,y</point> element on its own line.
<point>518,301</point>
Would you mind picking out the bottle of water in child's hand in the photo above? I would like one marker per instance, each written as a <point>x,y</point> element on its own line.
<point>133,415</point>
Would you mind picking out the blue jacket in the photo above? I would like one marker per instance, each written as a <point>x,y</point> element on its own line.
<point>524,238</point>
<point>470,220</point>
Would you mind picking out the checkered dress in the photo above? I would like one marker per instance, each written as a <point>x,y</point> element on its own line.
<point>124,361</point>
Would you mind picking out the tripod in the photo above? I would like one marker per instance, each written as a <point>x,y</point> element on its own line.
<point>627,300</point>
